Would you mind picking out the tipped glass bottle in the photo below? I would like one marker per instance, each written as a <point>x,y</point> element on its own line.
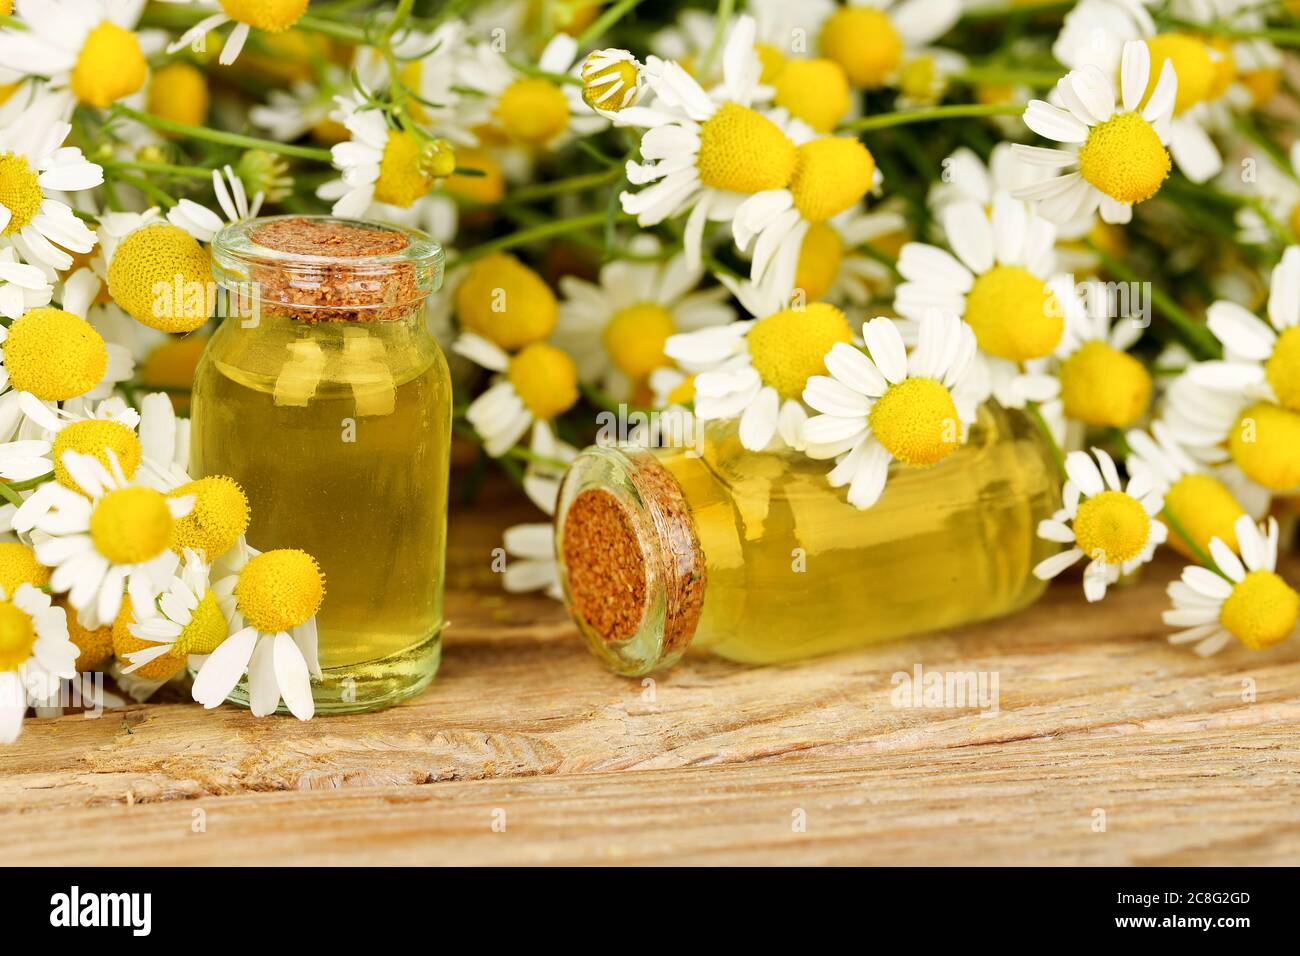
<point>324,394</point>
<point>758,559</point>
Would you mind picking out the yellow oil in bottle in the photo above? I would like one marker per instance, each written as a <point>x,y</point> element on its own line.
<point>791,570</point>
<point>340,435</point>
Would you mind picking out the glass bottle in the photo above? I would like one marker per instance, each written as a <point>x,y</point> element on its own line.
<point>756,558</point>
<point>326,397</point>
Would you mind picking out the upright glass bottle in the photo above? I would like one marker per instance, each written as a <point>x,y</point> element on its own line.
<point>758,559</point>
<point>324,394</point>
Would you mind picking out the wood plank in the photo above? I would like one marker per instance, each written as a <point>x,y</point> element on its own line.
<point>708,762</point>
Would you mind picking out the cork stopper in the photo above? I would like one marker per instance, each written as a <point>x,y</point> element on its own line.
<point>321,269</point>
<point>633,571</point>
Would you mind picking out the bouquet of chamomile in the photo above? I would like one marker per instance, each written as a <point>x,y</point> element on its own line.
<point>841,226</point>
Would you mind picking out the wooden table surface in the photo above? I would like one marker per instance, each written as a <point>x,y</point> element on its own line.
<point>1109,747</point>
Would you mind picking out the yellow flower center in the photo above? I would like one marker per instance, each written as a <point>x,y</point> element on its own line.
<point>17,636</point>
<point>96,437</point>
<point>207,628</point>
<point>1014,315</point>
<point>1206,509</point>
<point>1265,444</point>
<point>819,260</point>
<point>1192,62</point>
<point>1263,84</point>
<point>545,379</point>
<point>916,420</point>
<point>160,668</point>
<point>635,338</point>
<point>744,151</point>
<point>831,174</point>
<point>219,516</point>
<point>815,91</point>
<point>401,179</point>
<point>20,192</point>
<point>18,565</point>
<point>131,525</point>
<point>274,16</point>
<point>55,355</point>
<point>109,66</point>
<point>789,346</point>
<point>1111,526</point>
<point>1283,369</point>
<point>1103,386</point>
<point>1124,158</point>
<point>279,590</point>
<point>772,61</point>
<point>506,302</point>
<point>1261,610</point>
<point>533,110</point>
<point>864,42</point>
<point>6,8</point>
<point>608,88</point>
<point>94,648</point>
<point>179,92</point>
<point>488,188</point>
<point>162,277</point>
<point>917,78</point>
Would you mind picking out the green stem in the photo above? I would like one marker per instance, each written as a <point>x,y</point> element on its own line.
<point>1057,455</point>
<point>222,137</point>
<point>927,114</point>
<point>1197,336</point>
<point>604,22</point>
<point>1005,76</point>
<point>522,238</point>
<point>161,169</point>
<point>1280,36</point>
<point>9,490</point>
<point>725,9</point>
<point>559,186</point>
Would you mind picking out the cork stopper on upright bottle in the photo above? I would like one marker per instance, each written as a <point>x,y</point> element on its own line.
<point>632,568</point>
<point>322,269</point>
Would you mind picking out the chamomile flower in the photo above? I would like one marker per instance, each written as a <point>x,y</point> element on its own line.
<point>1205,505</point>
<point>158,273</point>
<point>1101,384</point>
<point>33,163</point>
<point>273,16</point>
<point>1000,282</point>
<point>611,80</point>
<point>114,535</point>
<point>831,176</point>
<point>757,370</point>
<point>704,153</point>
<point>87,48</point>
<point>1262,359</point>
<point>885,406</point>
<point>530,111</point>
<point>1250,602</point>
<point>188,619</point>
<point>1204,73</point>
<point>1121,158</point>
<point>379,164</point>
<point>532,565</point>
<point>504,301</point>
<point>1112,525</point>
<point>616,328</point>
<point>533,386</point>
<point>35,654</point>
<point>92,429</point>
<point>1278,189</point>
<point>270,600</point>
<point>304,107</point>
<point>872,39</point>
<point>201,222</point>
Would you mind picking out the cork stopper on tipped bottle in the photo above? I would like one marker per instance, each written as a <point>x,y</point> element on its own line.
<point>632,568</point>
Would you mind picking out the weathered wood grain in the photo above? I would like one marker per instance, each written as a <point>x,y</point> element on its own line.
<point>1190,760</point>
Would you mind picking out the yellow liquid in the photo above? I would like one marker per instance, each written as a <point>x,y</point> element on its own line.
<point>340,435</point>
<point>795,571</point>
